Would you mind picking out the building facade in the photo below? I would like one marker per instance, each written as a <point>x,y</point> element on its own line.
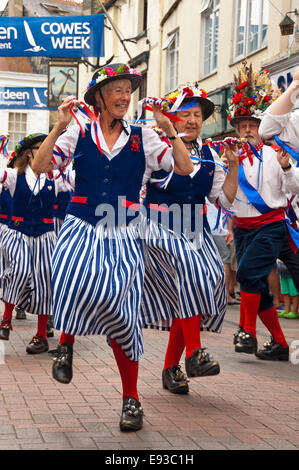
<point>173,42</point>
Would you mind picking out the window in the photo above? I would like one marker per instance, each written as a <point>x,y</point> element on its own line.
<point>17,128</point>
<point>210,27</point>
<point>142,92</point>
<point>142,15</point>
<point>251,26</point>
<point>172,62</point>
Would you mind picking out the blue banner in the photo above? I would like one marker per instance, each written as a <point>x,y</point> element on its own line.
<point>69,36</point>
<point>23,98</point>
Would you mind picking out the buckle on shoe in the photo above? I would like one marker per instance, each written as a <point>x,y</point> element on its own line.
<point>133,410</point>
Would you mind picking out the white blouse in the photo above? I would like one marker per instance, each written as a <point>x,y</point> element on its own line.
<point>271,181</point>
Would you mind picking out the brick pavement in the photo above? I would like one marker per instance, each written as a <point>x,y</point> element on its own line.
<point>251,405</point>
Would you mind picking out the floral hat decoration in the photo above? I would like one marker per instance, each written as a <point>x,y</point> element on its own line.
<point>251,94</point>
<point>27,143</point>
<point>110,73</point>
<point>187,94</point>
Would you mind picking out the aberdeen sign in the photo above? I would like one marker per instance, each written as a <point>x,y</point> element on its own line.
<point>70,36</point>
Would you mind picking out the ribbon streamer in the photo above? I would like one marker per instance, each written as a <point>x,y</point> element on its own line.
<point>82,114</point>
<point>146,102</point>
<point>293,151</point>
<point>3,145</point>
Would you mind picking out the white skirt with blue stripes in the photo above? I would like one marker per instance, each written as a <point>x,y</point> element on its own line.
<point>3,228</point>
<point>182,281</point>
<point>26,270</point>
<point>97,283</point>
<point>57,225</point>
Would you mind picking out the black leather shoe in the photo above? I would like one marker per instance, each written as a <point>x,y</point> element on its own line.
<point>5,327</point>
<point>132,415</point>
<point>20,313</point>
<point>174,380</point>
<point>50,331</point>
<point>273,352</point>
<point>236,334</point>
<point>246,343</point>
<point>37,345</point>
<point>62,369</point>
<point>201,364</point>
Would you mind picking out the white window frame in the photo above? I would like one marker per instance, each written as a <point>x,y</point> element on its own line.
<point>261,44</point>
<point>16,135</point>
<point>175,52</point>
<point>211,10</point>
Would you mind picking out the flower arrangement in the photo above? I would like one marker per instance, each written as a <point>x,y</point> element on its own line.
<point>252,93</point>
<point>189,93</point>
<point>109,72</point>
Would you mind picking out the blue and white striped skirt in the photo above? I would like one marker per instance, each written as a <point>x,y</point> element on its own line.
<point>26,270</point>
<point>182,281</point>
<point>97,283</point>
<point>3,228</point>
<point>57,225</point>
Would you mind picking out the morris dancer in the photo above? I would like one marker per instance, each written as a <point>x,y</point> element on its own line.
<point>264,181</point>
<point>5,216</point>
<point>184,283</point>
<point>98,270</point>
<point>28,242</point>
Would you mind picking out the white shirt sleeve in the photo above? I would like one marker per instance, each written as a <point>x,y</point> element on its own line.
<point>157,153</point>
<point>62,185</point>
<point>290,181</point>
<point>217,194</point>
<point>285,125</point>
<point>66,144</point>
<point>8,178</point>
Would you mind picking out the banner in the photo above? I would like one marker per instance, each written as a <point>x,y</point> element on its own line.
<point>70,36</point>
<point>23,98</point>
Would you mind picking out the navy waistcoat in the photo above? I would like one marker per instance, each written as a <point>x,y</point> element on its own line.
<point>61,204</point>
<point>5,206</point>
<point>33,215</point>
<point>99,181</point>
<point>183,190</point>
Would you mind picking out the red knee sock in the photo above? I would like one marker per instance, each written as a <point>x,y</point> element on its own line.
<point>191,331</point>
<point>242,314</point>
<point>8,311</point>
<point>128,371</point>
<point>42,321</point>
<point>251,303</point>
<point>176,345</point>
<point>65,338</point>
<point>270,319</point>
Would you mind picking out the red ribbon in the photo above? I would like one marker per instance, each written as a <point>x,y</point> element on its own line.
<point>170,116</point>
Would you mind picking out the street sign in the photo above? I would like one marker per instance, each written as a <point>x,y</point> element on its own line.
<point>70,36</point>
<point>23,98</point>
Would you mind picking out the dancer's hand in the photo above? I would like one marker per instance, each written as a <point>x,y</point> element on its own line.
<point>163,121</point>
<point>64,115</point>
<point>283,158</point>
<point>230,156</point>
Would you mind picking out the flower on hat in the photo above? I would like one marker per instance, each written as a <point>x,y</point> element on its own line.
<point>189,92</point>
<point>249,101</point>
<point>107,72</point>
<point>251,93</point>
<point>242,85</point>
<point>237,98</point>
<point>242,111</point>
